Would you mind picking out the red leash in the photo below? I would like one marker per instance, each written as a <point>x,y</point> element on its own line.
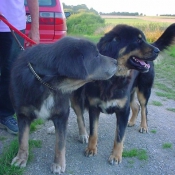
<point>12,28</point>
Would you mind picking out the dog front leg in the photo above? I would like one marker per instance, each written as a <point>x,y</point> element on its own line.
<point>145,83</point>
<point>135,107</point>
<point>24,128</point>
<point>94,113</point>
<point>122,120</point>
<point>83,136</point>
<point>143,100</point>
<point>60,123</point>
<point>77,104</point>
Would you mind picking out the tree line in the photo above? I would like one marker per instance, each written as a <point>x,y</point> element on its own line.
<point>78,8</point>
<point>83,8</point>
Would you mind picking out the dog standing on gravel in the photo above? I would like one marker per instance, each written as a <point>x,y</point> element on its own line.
<point>135,73</point>
<point>134,55</point>
<point>144,82</point>
<point>42,80</point>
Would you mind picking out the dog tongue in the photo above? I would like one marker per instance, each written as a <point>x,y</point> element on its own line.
<point>143,63</point>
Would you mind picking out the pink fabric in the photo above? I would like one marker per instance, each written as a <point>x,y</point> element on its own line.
<point>14,12</point>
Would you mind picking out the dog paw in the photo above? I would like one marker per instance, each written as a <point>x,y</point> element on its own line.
<point>114,160</point>
<point>19,162</point>
<point>83,138</point>
<point>90,152</point>
<point>51,130</point>
<point>130,124</point>
<point>57,169</point>
<point>143,130</point>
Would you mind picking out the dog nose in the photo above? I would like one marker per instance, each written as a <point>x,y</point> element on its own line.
<point>156,50</point>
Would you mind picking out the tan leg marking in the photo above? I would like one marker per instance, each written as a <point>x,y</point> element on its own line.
<point>59,164</point>
<point>116,156</point>
<point>91,150</point>
<point>143,125</point>
<point>83,136</point>
<point>22,156</point>
<point>135,107</point>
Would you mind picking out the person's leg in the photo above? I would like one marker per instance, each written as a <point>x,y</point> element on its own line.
<point>9,51</point>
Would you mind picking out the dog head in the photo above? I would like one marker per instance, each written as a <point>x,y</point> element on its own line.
<point>67,64</point>
<point>128,45</point>
<point>80,59</point>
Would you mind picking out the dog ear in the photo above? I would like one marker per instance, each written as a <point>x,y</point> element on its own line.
<point>71,64</point>
<point>109,44</point>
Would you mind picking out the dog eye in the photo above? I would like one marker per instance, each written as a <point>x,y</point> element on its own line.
<point>139,40</point>
<point>116,39</point>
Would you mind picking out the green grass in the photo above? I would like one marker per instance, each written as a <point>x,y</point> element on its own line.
<point>94,38</point>
<point>156,103</point>
<point>165,70</point>
<point>10,152</point>
<point>153,131</point>
<point>36,124</point>
<point>166,145</point>
<point>163,87</point>
<point>84,23</point>
<point>139,153</point>
<point>166,95</point>
<point>138,22</point>
<point>124,21</point>
<point>171,109</point>
<point>151,29</point>
<point>142,155</point>
<point>171,51</point>
<point>33,144</point>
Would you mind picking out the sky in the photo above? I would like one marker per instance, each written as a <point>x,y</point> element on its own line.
<point>148,7</point>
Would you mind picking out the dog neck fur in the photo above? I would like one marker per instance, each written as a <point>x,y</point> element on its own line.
<point>69,85</point>
<point>122,71</point>
<point>122,59</point>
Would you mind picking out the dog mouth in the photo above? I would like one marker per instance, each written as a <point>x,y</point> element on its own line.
<point>138,64</point>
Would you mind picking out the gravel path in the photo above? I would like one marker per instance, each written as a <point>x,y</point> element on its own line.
<point>160,161</point>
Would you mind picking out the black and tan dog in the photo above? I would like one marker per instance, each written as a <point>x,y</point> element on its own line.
<point>134,55</point>
<point>144,82</point>
<point>41,82</point>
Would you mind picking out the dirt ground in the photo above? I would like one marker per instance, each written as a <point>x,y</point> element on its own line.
<point>160,161</point>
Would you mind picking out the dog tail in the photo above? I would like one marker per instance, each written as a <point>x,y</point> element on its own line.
<point>166,39</point>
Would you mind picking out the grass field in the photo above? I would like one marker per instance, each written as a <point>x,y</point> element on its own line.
<point>142,24</point>
<point>142,19</point>
<point>152,27</point>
